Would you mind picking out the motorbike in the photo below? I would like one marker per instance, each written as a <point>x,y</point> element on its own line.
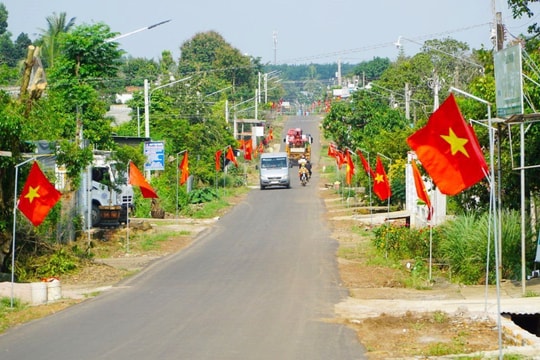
<point>304,179</point>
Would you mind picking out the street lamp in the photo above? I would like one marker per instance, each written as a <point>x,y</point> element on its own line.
<point>147,94</point>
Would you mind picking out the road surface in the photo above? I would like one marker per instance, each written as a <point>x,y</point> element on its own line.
<point>261,284</point>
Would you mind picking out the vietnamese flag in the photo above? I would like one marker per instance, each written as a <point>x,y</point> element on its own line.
<point>448,149</point>
<point>38,196</point>
<point>365,164</point>
<point>184,168</point>
<point>350,168</point>
<point>137,179</point>
<point>332,150</point>
<point>218,160</point>
<point>230,156</point>
<point>381,185</point>
<point>340,158</point>
<point>421,188</point>
<point>248,149</point>
<point>241,143</point>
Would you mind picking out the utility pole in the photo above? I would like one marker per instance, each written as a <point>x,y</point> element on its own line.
<point>146,110</point>
<point>274,36</point>
<point>259,88</point>
<point>499,31</point>
<point>435,83</point>
<point>407,102</point>
<point>266,88</point>
<point>339,72</point>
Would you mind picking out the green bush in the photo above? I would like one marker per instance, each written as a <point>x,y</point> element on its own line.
<point>402,242</point>
<point>461,243</point>
<point>465,247</point>
<point>199,196</point>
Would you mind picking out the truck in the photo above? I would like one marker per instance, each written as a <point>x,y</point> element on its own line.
<point>109,190</point>
<point>297,143</point>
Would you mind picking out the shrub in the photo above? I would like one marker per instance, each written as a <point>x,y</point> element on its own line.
<point>402,242</point>
<point>465,246</point>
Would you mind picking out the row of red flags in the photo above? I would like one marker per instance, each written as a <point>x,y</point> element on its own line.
<point>39,196</point>
<point>381,185</point>
<point>447,148</point>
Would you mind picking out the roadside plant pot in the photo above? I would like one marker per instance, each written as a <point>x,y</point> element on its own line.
<point>110,215</point>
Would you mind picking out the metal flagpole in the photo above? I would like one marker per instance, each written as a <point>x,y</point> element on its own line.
<point>387,158</point>
<point>178,179</point>
<point>15,204</point>
<point>388,206</point>
<point>493,208</point>
<point>224,165</point>
<point>127,210</point>
<point>369,187</point>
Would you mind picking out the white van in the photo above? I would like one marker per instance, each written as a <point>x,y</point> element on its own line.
<point>274,170</point>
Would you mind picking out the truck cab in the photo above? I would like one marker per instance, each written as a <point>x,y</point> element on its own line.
<point>109,188</point>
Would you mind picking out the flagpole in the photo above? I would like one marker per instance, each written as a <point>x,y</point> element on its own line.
<point>369,187</point>
<point>388,206</point>
<point>493,207</point>
<point>387,158</point>
<point>178,179</point>
<point>15,228</point>
<point>127,210</point>
<point>349,169</point>
<point>224,165</point>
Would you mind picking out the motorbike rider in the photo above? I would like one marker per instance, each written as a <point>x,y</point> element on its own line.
<point>308,167</point>
<point>303,170</point>
<point>302,161</point>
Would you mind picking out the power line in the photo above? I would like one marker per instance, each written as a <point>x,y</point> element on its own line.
<point>382,45</point>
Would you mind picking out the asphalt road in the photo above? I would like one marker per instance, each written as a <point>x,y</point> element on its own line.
<point>261,284</point>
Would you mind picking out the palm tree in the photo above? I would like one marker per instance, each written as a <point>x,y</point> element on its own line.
<point>56,26</point>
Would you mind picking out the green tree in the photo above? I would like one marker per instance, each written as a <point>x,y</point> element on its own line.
<point>20,47</point>
<point>57,24</point>
<point>209,53</point>
<point>77,81</point>
<point>373,69</point>
<point>3,19</point>
<point>522,8</point>
<point>133,71</point>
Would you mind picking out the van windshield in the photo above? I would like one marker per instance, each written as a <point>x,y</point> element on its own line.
<point>273,163</point>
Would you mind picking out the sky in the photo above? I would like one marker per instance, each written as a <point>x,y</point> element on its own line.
<point>279,31</point>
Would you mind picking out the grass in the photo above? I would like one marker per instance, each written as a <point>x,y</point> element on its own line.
<point>22,312</point>
<point>148,242</point>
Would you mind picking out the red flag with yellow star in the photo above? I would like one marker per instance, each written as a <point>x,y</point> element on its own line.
<point>381,185</point>
<point>38,196</point>
<point>448,149</point>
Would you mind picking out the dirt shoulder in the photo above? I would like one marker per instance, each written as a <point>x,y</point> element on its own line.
<point>440,319</point>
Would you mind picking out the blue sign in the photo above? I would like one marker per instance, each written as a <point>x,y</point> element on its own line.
<point>154,151</point>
